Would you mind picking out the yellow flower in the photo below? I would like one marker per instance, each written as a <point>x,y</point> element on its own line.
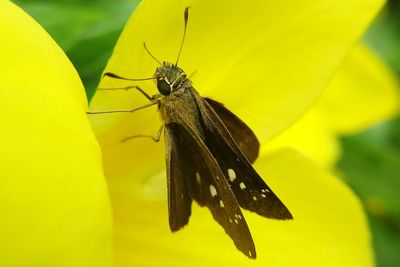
<point>54,200</point>
<point>364,92</point>
<point>268,63</point>
<point>54,204</point>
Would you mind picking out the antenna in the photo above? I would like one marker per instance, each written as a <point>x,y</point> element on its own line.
<point>186,17</point>
<point>145,47</point>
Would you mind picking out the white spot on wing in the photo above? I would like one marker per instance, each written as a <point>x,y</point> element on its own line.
<point>255,198</point>
<point>263,195</point>
<point>236,221</point>
<point>238,216</point>
<point>213,191</point>
<point>232,175</point>
<point>242,186</point>
<point>221,203</point>
<point>264,190</point>
<point>198,178</point>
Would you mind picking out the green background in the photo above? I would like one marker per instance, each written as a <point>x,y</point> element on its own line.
<point>88,30</point>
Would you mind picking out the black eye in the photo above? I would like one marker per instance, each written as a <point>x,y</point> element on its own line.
<point>163,87</point>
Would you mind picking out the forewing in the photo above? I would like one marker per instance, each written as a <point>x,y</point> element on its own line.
<point>179,200</point>
<point>241,133</point>
<point>251,192</point>
<point>208,186</point>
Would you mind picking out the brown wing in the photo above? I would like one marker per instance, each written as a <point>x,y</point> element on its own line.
<point>251,192</point>
<point>241,133</point>
<point>179,201</point>
<point>191,161</point>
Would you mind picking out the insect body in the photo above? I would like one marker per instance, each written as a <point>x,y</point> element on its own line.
<point>209,163</point>
<point>209,152</point>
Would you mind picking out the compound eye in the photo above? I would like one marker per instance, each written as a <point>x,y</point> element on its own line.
<point>164,87</point>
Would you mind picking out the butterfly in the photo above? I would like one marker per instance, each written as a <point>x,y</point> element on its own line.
<point>209,153</point>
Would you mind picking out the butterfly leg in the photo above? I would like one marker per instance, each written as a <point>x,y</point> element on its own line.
<point>155,139</point>
<point>152,103</point>
<point>129,88</point>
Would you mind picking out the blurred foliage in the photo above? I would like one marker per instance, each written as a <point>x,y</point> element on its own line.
<point>384,34</point>
<point>88,30</point>
<point>371,166</point>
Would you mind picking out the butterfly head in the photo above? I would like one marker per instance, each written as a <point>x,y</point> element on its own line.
<point>170,78</point>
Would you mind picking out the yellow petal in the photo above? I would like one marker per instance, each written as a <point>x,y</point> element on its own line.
<point>363,92</point>
<point>53,198</point>
<point>329,227</point>
<point>267,60</point>
<point>312,136</point>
